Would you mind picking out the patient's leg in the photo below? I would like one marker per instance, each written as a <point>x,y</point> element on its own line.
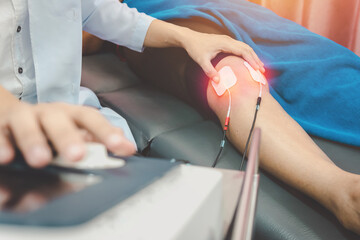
<point>286,151</point>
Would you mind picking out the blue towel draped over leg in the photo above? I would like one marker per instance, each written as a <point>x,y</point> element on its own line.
<point>314,79</point>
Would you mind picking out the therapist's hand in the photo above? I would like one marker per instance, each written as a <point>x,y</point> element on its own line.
<point>32,128</point>
<point>203,47</point>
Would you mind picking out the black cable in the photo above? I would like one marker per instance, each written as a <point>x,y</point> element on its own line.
<point>221,149</point>
<point>251,131</point>
<point>226,127</point>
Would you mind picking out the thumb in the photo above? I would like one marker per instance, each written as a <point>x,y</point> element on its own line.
<point>210,71</point>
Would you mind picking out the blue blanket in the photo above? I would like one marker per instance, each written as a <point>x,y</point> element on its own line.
<point>314,79</point>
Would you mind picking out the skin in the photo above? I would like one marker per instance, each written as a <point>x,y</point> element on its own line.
<point>63,126</point>
<point>67,127</point>
<point>201,47</point>
<point>282,138</point>
<point>316,175</point>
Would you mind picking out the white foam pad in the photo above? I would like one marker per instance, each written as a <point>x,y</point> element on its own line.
<point>227,80</point>
<point>256,75</point>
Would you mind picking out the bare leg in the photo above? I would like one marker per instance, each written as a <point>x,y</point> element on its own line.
<point>287,152</point>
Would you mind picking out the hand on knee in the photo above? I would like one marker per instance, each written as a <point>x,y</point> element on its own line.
<point>245,91</point>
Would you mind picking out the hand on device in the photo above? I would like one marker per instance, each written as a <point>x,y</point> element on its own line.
<point>31,128</point>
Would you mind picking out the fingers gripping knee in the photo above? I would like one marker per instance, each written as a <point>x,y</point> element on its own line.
<point>245,90</point>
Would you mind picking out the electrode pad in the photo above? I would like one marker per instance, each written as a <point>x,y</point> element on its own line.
<point>227,80</point>
<point>256,75</point>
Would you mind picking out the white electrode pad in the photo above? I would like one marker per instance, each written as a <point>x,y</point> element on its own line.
<point>227,80</point>
<point>256,75</point>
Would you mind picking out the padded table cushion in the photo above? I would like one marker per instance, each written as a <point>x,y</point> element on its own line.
<point>169,128</point>
<point>149,112</point>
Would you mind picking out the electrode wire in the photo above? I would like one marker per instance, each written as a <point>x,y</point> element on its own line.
<point>258,102</point>
<point>229,108</point>
<point>226,126</point>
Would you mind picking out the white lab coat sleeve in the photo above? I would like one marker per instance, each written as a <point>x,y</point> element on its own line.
<point>115,22</point>
<point>88,98</point>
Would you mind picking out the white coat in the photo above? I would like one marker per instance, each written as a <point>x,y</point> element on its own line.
<point>56,39</point>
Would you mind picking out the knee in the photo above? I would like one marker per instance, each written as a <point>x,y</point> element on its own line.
<point>243,92</point>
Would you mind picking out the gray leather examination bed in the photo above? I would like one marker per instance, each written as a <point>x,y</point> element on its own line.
<point>164,126</point>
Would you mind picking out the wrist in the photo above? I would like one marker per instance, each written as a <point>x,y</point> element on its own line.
<point>182,37</point>
<point>164,34</point>
<point>176,36</point>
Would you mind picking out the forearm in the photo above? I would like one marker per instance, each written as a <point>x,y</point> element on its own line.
<point>162,34</point>
<point>201,47</point>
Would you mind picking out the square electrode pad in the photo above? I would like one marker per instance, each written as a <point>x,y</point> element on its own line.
<point>227,80</point>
